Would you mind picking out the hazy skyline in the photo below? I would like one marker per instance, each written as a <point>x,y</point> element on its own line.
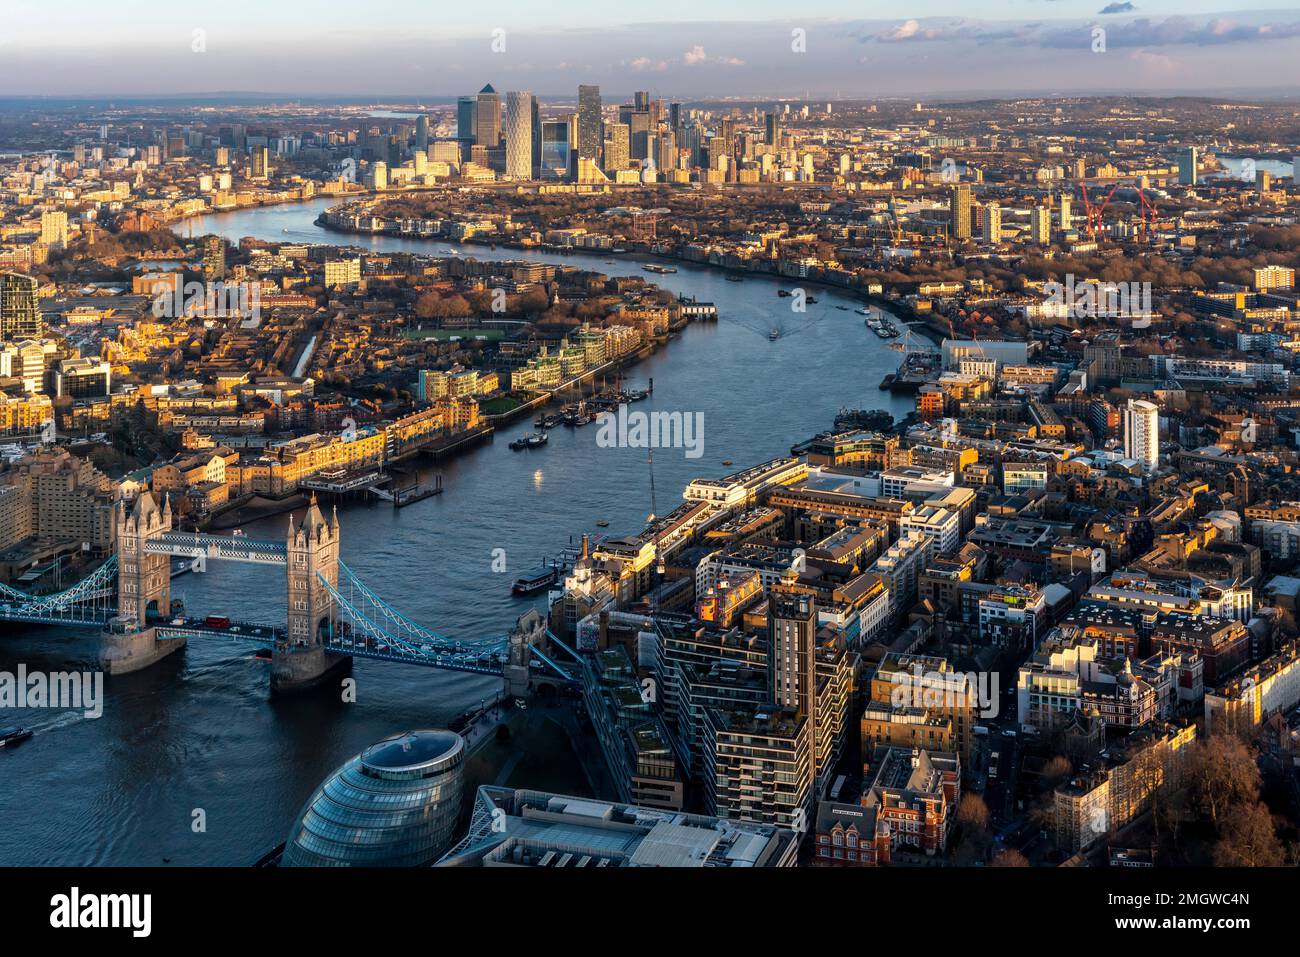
<point>414,49</point>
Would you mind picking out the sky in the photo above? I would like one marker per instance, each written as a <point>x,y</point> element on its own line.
<point>423,48</point>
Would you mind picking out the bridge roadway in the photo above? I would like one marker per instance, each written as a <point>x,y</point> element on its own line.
<point>263,635</point>
<point>366,626</point>
<point>234,548</point>
<point>490,661</point>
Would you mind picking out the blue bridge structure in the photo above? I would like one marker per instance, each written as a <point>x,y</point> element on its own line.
<point>332,615</point>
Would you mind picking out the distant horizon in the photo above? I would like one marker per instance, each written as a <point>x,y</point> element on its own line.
<point>360,100</point>
<point>1010,48</point>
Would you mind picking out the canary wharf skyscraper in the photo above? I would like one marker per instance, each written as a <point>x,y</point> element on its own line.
<point>519,134</point>
<point>590,132</point>
<point>488,118</point>
<point>20,314</point>
<point>467,119</point>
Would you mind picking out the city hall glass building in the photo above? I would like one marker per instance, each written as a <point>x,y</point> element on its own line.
<point>394,805</point>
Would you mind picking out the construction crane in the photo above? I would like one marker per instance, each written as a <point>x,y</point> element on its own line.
<point>1149,222</point>
<point>896,232</point>
<point>974,338</point>
<point>1093,213</point>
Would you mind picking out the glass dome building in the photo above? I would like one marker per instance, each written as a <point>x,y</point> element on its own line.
<point>394,805</point>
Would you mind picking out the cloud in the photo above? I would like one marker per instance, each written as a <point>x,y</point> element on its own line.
<point>696,56</point>
<point>1158,64</point>
<point>643,64</point>
<point>912,31</point>
<point>951,29</point>
<point>1141,32</point>
<point>1176,31</point>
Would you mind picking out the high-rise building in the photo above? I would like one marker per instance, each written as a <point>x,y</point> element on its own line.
<point>639,129</point>
<point>535,157</point>
<point>519,134</point>
<point>422,132</point>
<point>214,258</point>
<point>1040,225</point>
<point>1142,432</point>
<point>617,146</point>
<point>1067,220</point>
<point>261,162</point>
<point>959,221</point>
<point>54,229</point>
<point>557,152</point>
<point>666,151</point>
<point>487,118</point>
<point>1187,172</point>
<point>792,658</point>
<point>772,129</point>
<point>590,131</point>
<point>20,313</point>
<point>992,223</point>
<point>467,119</point>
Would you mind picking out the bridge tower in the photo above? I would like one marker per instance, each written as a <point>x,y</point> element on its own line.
<point>300,661</point>
<point>144,590</point>
<point>529,630</point>
<point>144,583</point>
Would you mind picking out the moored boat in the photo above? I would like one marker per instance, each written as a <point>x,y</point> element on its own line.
<point>530,440</point>
<point>535,581</point>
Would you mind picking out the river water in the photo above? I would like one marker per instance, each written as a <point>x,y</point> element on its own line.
<point>200,730</point>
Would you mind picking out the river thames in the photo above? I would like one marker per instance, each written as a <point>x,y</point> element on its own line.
<point>200,730</point>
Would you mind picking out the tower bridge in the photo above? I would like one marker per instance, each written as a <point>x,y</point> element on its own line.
<point>332,616</point>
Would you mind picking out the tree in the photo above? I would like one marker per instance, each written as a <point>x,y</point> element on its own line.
<point>1010,857</point>
<point>973,831</point>
<point>1055,771</point>
<point>1221,773</point>
<point>1249,839</point>
<point>973,813</point>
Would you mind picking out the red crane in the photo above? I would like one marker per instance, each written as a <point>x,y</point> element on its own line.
<point>1148,215</point>
<point>1092,213</point>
